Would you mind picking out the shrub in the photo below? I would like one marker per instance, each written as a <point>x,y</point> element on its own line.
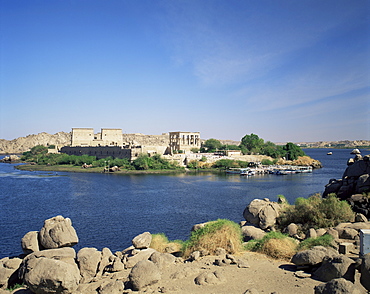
<point>267,162</point>
<point>325,240</point>
<point>161,243</point>
<point>283,248</point>
<point>225,163</point>
<point>275,245</point>
<point>221,233</point>
<point>193,164</point>
<point>316,212</point>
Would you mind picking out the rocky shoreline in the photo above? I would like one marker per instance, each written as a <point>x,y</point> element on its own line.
<point>49,264</point>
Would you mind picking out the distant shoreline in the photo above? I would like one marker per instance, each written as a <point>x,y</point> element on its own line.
<point>79,169</point>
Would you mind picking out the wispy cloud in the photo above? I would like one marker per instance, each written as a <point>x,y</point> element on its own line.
<point>222,53</point>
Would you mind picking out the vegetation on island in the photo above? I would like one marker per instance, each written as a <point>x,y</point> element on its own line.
<point>250,144</point>
<point>253,144</point>
<point>39,154</point>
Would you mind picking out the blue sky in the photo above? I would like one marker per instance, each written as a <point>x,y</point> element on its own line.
<point>284,70</point>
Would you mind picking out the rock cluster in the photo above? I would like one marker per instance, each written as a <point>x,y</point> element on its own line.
<point>10,159</point>
<point>333,266</point>
<point>354,183</point>
<point>51,265</point>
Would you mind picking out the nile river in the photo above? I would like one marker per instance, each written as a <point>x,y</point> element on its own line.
<point>108,210</point>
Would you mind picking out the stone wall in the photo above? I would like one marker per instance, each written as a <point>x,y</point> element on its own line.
<point>99,152</point>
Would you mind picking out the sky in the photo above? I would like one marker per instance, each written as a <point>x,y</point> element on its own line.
<point>288,71</point>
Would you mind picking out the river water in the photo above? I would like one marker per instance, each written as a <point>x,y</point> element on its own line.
<point>108,210</point>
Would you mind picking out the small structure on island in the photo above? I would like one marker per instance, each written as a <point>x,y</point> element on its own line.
<point>182,142</point>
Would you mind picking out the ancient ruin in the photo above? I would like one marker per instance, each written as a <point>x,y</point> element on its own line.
<point>110,142</point>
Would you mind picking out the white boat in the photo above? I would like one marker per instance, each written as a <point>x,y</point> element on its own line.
<point>304,169</point>
<point>247,172</point>
<point>329,153</point>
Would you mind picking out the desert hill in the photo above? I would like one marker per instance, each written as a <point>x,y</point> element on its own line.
<point>60,139</point>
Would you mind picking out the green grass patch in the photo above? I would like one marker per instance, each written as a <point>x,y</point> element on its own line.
<point>325,240</point>
<point>15,287</point>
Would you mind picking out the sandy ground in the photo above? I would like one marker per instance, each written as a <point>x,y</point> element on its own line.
<point>262,274</point>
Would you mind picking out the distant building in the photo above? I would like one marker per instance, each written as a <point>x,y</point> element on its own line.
<point>184,141</point>
<point>109,142</point>
<point>85,137</point>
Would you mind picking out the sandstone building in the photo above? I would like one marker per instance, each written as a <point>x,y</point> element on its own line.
<point>86,137</point>
<point>109,142</point>
<point>184,141</point>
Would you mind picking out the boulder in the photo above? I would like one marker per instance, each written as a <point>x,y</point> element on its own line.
<point>45,275</point>
<point>135,256</point>
<point>355,151</point>
<point>363,183</point>
<point>262,213</point>
<point>199,226</point>
<point>357,169</point>
<point>104,261</point>
<point>359,217</point>
<point>335,286</point>
<point>365,271</point>
<point>9,271</point>
<point>252,233</point>
<point>312,256</point>
<point>311,233</point>
<point>195,255</point>
<point>162,260</point>
<point>209,278</point>
<point>66,254</point>
<point>339,266</point>
<point>333,232</point>
<point>57,232</point>
<point>143,274</point>
<point>117,264</point>
<point>113,287</point>
<point>88,260</point>
<point>356,226</point>
<point>30,242</point>
<point>332,187</point>
<point>292,229</point>
<point>320,232</point>
<point>142,241</point>
<point>348,233</point>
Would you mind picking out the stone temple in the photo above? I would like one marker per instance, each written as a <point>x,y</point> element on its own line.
<point>110,142</point>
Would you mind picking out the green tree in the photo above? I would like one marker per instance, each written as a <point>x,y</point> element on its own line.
<point>292,151</point>
<point>225,163</point>
<point>251,144</point>
<point>142,162</point>
<point>273,150</point>
<point>211,145</point>
<point>39,149</point>
<point>230,147</point>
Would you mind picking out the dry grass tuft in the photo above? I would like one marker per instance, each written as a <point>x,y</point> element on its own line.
<point>283,248</point>
<point>217,234</point>
<point>161,243</point>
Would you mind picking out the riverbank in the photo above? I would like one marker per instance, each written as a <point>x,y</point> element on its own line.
<point>79,169</point>
<point>50,261</point>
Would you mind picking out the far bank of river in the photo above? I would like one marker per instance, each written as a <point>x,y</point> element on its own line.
<point>110,209</point>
